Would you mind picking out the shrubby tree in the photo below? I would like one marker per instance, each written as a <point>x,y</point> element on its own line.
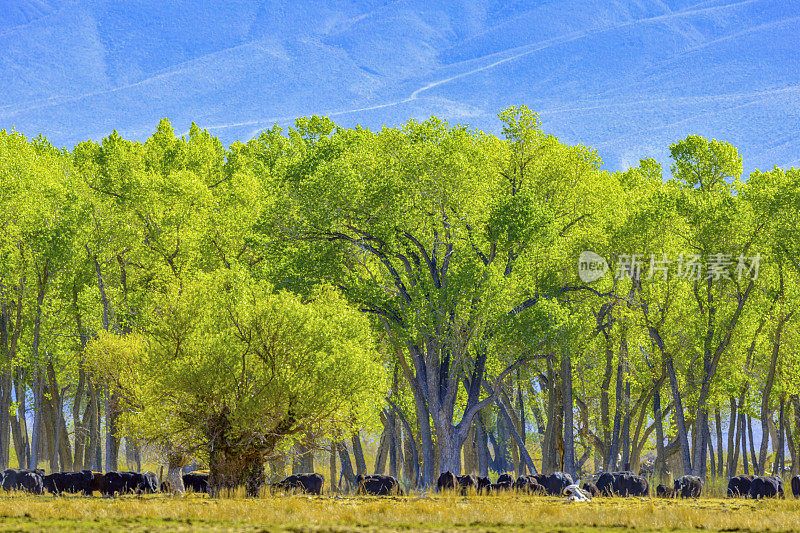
<point>234,373</point>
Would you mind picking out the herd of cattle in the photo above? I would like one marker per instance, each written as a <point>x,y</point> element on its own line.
<point>623,484</point>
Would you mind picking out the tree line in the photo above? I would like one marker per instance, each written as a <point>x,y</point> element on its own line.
<point>482,302</point>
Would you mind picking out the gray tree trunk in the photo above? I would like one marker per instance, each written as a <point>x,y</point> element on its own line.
<point>358,454</point>
<point>720,454</point>
<point>753,458</point>
<point>569,438</point>
<point>347,467</point>
<point>683,436</point>
<point>733,442</point>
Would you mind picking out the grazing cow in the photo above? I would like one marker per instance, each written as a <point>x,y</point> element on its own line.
<point>796,486</point>
<point>688,486</point>
<point>779,481</point>
<point>467,482</point>
<point>765,487</point>
<point>557,482</point>
<point>129,482</point>
<point>591,489</point>
<point>447,481</point>
<point>196,482</point>
<point>605,484</point>
<point>483,485</point>
<point>307,483</point>
<point>29,480</point>
<point>505,478</point>
<point>739,486</point>
<point>626,483</point>
<point>496,488</point>
<point>663,491</point>
<point>623,483</point>
<point>529,484</point>
<point>378,485</point>
<point>98,482</point>
<point>72,482</point>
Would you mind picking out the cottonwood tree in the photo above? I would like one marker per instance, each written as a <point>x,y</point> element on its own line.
<point>444,234</point>
<point>233,373</point>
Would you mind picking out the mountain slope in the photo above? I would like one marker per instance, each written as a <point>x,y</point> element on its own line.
<point>625,77</point>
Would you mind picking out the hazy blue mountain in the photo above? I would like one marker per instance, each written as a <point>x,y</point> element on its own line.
<point>625,77</point>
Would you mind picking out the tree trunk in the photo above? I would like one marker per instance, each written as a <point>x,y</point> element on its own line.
<point>505,414</point>
<point>661,460</point>
<point>94,451</point>
<point>787,426</point>
<point>683,436</point>
<point>613,449</point>
<point>626,429</point>
<point>175,463</point>
<point>358,454</point>
<point>779,455</point>
<point>766,414</point>
<point>347,467</point>
<point>112,442</point>
<point>756,470</point>
<point>36,433</point>
<point>553,440</point>
<point>743,427</point>
<point>482,445</point>
<point>391,424</point>
<point>709,442</point>
<point>5,385</point>
<point>521,429</point>
<point>414,474</point>
<point>569,440</point>
<point>79,426</point>
<point>502,456</point>
<point>733,456</point>
<point>720,454</point>
<point>19,426</point>
<point>382,453</point>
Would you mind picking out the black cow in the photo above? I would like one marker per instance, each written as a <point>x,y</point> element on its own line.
<point>505,479</point>
<point>557,482</point>
<point>663,491</point>
<point>483,485</point>
<point>129,483</point>
<point>72,482</point>
<point>605,484</point>
<point>591,489</point>
<point>447,481</point>
<point>309,483</point>
<point>378,485</point>
<point>196,482</point>
<point>28,480</point>
<point>739,486</point>
<point>688,486</point>
<point>467,482</point>
<point>796,486</point>
<point>622,483</point>
<point>766,487</point>
<point>529,484</point>
<point>496,488</point>
<point>626,483</point>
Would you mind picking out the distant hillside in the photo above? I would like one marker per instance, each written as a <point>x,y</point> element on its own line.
<point>625,77</point>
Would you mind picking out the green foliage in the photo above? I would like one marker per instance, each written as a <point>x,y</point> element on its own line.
<point>225,346</point>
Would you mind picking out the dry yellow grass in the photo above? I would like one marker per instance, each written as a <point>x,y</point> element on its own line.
<point>434,513</point>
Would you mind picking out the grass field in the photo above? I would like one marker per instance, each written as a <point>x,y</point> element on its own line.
<point>431,513</point>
